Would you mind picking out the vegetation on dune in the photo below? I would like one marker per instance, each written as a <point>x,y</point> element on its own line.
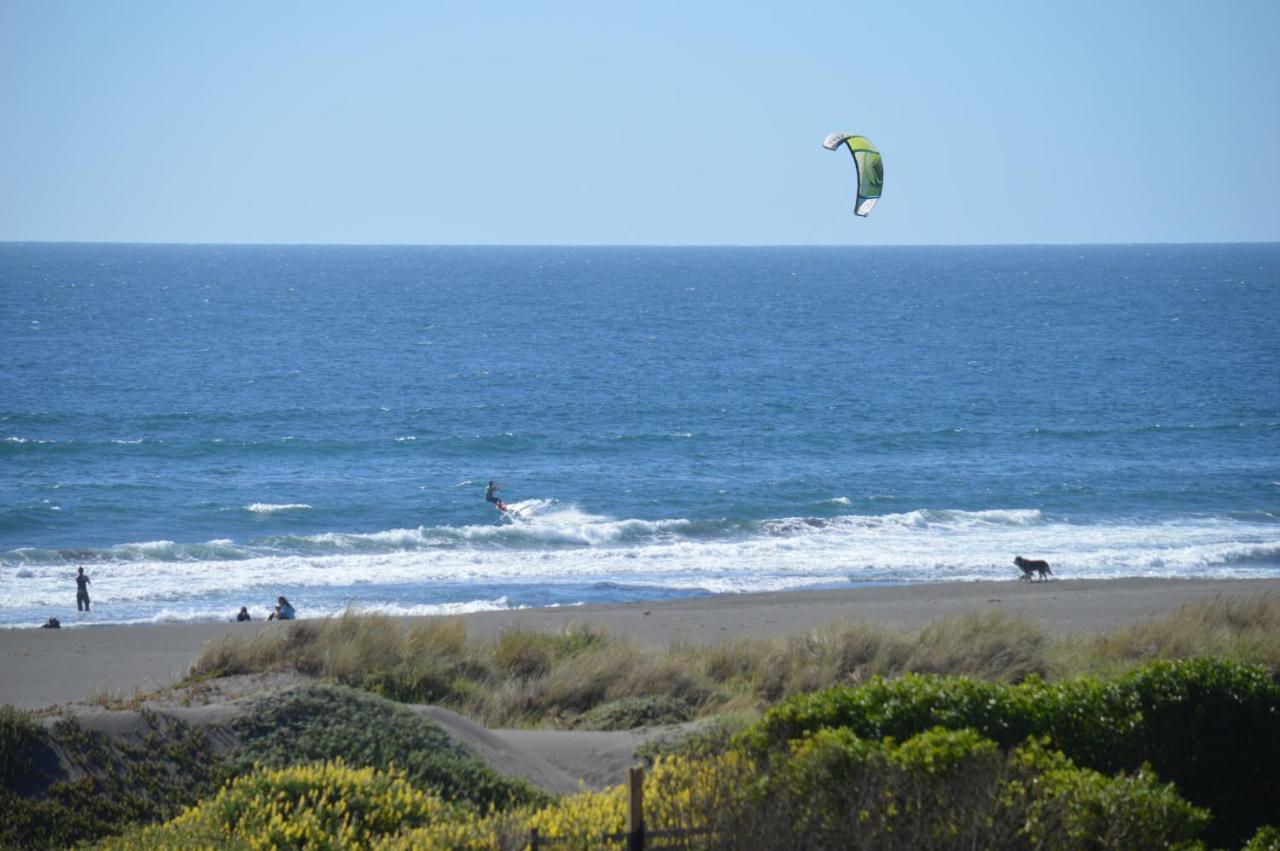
<point>116,783</point>
<point>1266,839</point>
<point>940,789</point>
<point>1244,630</point>
<point>18,734</point>
<point>325,722</point>
<point>584,678</point>
<point>975,732</point>
<point>112,782</point>
<point>325,805</point>
<point>1213,728</point>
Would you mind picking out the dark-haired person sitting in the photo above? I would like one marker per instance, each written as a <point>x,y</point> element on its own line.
<point>284,611</point>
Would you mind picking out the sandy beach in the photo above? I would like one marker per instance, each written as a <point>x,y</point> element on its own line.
<point>41,668</point>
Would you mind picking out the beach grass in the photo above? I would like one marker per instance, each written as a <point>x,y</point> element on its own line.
<point>1243,629</point>
<point>526,677</point>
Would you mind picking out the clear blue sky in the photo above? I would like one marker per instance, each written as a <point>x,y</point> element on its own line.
<point>648,123</point>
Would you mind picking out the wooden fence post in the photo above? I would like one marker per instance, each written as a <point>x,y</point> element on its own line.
<point>635,809</point>
<point>533,839</point>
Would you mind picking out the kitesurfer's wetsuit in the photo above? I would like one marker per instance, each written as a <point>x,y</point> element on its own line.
<point>490,495</point>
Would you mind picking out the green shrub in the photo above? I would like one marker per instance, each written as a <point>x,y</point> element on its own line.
<point>945,789</point>
<point>1065,807</point>
<point>18,735</point>
<point>1266,839</point>
<point>1214,729</point>
<point>934,788</point>
<point>901,708</point>
<point>632,712</point>
<point>1211,727</point>
<point>120,782</point>
<point>322,722</point>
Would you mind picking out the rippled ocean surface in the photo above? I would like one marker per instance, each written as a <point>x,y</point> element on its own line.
<point>205,427</point>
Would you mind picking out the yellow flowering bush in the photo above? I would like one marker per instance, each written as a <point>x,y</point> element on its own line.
<point>691,793</point>
<point>322,805</point>
<point>578,821</point>
<point>680,793</point>
<point>574,822</point>
<point>466,832</point>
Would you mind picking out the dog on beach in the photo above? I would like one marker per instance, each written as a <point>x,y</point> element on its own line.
<point>1031,566</point>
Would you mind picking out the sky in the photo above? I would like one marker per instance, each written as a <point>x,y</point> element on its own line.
<point>664,123</point>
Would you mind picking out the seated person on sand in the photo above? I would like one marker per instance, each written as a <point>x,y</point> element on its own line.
<point>284,611</point>
<point>244,614</point>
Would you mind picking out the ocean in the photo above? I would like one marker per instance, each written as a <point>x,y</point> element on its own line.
<point>206,427</point>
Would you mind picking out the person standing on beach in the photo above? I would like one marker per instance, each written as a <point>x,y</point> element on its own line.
<point>82,591</point>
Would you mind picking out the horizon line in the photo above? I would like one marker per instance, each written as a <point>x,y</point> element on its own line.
<point>178,244</point>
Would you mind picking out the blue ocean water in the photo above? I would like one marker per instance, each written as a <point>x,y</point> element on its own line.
<point>205,427</point>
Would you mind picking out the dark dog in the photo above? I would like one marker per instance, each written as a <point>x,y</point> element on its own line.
<point>1032,565</point>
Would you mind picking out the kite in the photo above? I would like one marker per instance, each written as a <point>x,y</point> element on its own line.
<point>866,159</point>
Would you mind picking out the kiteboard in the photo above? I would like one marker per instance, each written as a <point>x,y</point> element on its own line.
<point>521,511</point>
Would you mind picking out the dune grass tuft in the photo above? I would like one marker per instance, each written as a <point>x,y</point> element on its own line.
<point>527,677</point>
<point>1243,630</point>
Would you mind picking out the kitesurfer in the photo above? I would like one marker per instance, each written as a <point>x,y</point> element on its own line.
<point>491,495</point>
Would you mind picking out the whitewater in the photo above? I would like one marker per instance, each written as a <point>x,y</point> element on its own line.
<point>561,555</point>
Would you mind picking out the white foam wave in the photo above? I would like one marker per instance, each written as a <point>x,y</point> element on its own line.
<point>273,507</point>
<point>565,545</point>
<point>37,559</point>
<point>433,609</point>
<point>834,553</point>
<point>212,614</point>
